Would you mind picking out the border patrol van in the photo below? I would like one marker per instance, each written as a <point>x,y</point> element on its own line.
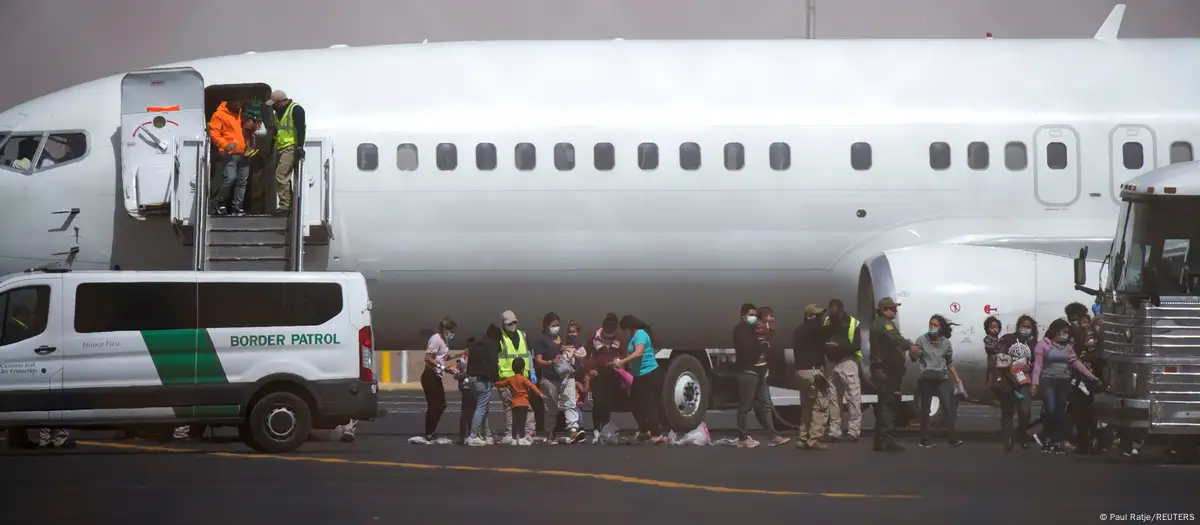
<point>275,354</point>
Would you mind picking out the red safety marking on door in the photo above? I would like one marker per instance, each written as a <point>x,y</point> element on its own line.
<point>988,309</point>
<point>955,307</point>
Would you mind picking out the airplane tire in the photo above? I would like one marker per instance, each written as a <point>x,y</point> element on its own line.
<point>685,394</point>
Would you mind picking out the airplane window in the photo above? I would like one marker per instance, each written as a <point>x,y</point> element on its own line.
<point>1056,155</point>
<point>689,156</point>
<point>860,156</point>
<point>1132,155</point>
<point>939,156</point>
<point>485,156</point>
<point>978,156</point>
<point>735,156</point>
<point>19,151</point>
<point>526,156</point>
<point>564,156</point>
<point>648,156</point>
<point>62,148</point>
<point>368,157</point>
<point>1016,158</point>
<point>1181,152</point>
<point>447,156</point>
<point>406,157</point>
<point>780,156</point>
<point>604,156</point>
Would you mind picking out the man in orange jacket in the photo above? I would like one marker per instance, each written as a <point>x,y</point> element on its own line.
<point>225,129</point>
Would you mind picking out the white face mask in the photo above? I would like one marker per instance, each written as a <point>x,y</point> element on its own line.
<point>752,319</point>
<point>554,330</point>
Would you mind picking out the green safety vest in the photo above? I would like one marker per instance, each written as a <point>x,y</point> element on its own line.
<point>285,129</point>
<point>850,333</point>
<point>508,353</point>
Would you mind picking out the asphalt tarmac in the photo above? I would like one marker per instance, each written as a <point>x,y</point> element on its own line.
<point>380,478</point>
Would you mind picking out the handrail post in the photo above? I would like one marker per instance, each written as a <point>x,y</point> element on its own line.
<point>297,217</point>
<point>200,224</point>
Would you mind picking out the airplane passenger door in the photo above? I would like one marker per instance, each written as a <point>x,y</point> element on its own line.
<point>159,107</point>
<point>1131,150</point>
<point>1056,168</point>
<point>318,183</point>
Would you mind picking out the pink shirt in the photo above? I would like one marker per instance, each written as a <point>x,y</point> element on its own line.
<point>439,350</point>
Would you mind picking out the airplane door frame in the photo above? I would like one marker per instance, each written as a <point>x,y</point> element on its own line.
<point>1117,172</point>
<point>1053,187</point>
<point>318,180</point>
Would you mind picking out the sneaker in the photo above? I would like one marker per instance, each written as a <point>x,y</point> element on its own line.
<point>237,212</point>
<point>507,440</point>
<point>779,440</point>
<point>347,438</point>
<point>926,444</point>
<point>490,441</point>
<point>577,436</point>
<point>476,442</point>
<point>955,443</point>
<point>525,442</point>
<point>514,442</point>
<point>222,211</point>
<point>1038,439</point>
<point>181,432</point>
<point>747,443</point>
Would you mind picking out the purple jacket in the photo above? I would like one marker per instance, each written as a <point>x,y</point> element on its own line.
<point>1039,354</point>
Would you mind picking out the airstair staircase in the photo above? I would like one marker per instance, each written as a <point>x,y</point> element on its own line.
<point>250,242</point>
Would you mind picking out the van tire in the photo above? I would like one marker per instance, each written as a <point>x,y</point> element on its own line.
<point>288,413</point>
<point>685,369</point>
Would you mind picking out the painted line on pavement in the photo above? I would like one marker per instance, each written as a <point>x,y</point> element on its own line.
<point>559,473</point>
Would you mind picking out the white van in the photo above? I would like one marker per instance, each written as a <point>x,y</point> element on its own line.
<point>273,353</point>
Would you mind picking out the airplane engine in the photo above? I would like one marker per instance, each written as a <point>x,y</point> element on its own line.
<point>966,284</point>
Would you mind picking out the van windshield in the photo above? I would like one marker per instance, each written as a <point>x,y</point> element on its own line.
<point>1158,241</point>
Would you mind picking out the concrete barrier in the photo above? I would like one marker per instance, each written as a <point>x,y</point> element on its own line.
<point>401,370</point>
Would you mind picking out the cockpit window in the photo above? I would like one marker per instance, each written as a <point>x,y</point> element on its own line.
<point>18,152</point>
<point>62,148</point>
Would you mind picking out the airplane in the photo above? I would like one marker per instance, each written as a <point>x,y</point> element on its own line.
<point>673,180</point>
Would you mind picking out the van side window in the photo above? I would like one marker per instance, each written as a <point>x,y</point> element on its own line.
<point>1016,157</point>
<point>485,156</point>
<point>780,156</point>
<point>689,156</point>
<point>647,156</point>
<point>62,148</point>
<point>447,156</point>
<point>860,156</point>
<point>18,152</point>
<point>735,156</point>
<point>1056,156</point>
<point>564,156</point>
<point>978,156</point>
<point>368,157</point>
<point>1133,157</point>
<point>136,306</point>
<point>1181,152</point>
<point>939,156</point>
<point>604,156</point>
<point>26,311</point>
<point>525,156</point>
<point>268,304</point>
<point>406,157</point>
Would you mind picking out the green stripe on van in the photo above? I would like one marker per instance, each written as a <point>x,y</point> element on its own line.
<point>184,357</point>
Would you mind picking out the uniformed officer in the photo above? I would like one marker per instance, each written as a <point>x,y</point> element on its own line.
<point>888,349</point>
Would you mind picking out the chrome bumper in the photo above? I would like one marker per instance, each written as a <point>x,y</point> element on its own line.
<point>1175,416</point>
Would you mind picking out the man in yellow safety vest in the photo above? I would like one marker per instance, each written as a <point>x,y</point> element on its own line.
<point>290,130</point>
<point>843,349</point>
<point>513,345</point>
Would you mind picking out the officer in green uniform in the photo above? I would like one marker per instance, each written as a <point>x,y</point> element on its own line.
<point>888,349</point>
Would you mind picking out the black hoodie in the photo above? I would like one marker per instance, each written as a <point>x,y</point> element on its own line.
<point>808,344</point>
<point>483,359</point>
<point>746,348</point>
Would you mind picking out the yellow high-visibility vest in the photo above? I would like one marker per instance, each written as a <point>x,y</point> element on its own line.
<point>849,333</point>
<point>285,129</point>
<point>508,353</point>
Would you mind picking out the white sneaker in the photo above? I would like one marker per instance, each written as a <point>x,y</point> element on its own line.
<point>525,442</point>
<point>476,442</point>
<point>490,441</point>
<point>508,440</point>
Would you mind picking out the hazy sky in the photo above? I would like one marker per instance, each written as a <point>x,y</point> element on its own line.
<point>71,41</point>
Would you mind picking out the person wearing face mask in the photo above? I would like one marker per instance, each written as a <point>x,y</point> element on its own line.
<point>513,346</point>
<point>605,347</point>
<point>437,352</point>
<point>1053,359</point>
<point>556,378</point>
<point>753,391</point>
<point>843,347</point>
<point>482,374</point>
<point>568,366</point>
<point>888,348</point>
<point>935,355</point>
<point>1018,400</point>
<point>809,350</point>
<point>1082,397</point>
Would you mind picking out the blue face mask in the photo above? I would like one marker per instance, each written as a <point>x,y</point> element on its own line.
<point>1063,338</point>
<point>554,330</point>
<point>752,319</point>
<point>933,332</point>
<point>450,336</point>
<point>1024,332</point>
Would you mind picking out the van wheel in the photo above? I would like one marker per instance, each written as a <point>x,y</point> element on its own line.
<point>684,398</point>
<point>279,422</point>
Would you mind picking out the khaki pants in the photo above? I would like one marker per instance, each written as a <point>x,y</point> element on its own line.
<point>814,405</point>
<point>845,390</point>
<point>283,177</point>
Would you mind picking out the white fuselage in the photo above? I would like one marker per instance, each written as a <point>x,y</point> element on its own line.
<point>680,249</point>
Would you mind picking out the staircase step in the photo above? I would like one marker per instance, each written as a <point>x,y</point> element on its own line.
<point>252,265</point>
<point>257,222</point>
<point>216,237</point>
<point>247,251</point>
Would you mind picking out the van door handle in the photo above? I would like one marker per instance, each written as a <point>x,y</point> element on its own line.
<point>43,350</point>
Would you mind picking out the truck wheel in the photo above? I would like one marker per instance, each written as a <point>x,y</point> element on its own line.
<point>279,422</point>
<point>684,391</point>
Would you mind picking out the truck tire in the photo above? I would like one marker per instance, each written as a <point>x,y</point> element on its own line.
<point>278,422</point>
<point>685,394</point>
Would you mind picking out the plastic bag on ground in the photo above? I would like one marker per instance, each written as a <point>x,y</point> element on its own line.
<point>418,440</point>
<point>609,434</point>
<point>697,436</point>
<point>725,442</point>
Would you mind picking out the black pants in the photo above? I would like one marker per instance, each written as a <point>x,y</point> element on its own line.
<point>943,389</point>
<point>647,394</point>
<point>1085,419</point>
<point>887,408</point>
<point>520,415</point>
<point>753,393</point>
<point>537,405</point>
<point>435,399</point>
<point>1009,404</point>
<point>604,389</point>
<point>468,411</point>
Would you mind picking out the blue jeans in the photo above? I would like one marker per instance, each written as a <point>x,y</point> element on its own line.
<point>235,172</point>
<point>1054,399</point>
<point>483,392</point>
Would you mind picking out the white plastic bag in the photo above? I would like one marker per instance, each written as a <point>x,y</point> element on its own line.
<point>725,442</point>
<point>960,391</point>
<point>697,436</point>
<point>610,434</point>
<point>418,440</point>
